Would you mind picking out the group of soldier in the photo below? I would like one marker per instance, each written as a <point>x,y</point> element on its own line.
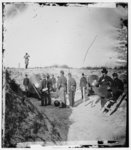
<point>62,85</point>
<point>114,85</point>
<point>68,87</point>
<point>110,89</point>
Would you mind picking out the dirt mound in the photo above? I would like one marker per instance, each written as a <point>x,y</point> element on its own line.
<point>23,121</point>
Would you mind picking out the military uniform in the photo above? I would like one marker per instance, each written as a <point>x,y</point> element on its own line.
<point>44,100</point>
<point>49,86</point>
<point>83,85</point>
<point>71,90</point>
<point>53,83</point>
<point>58,82</point>
<point>105,81</point>
<point>118,88</point>
<point>26,84</point>
<point>105,84</point>
<point>26,60</point>
<point>62,88</point>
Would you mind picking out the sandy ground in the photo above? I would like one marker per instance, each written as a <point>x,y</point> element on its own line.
<point>82,122</point>
<point>89,123</point>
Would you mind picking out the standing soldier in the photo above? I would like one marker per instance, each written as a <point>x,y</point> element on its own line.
<point>63,88</point>
<point>26,83</point>
<point>49,86</point>
<point>26,60</point>
<point>58,81</point>
<point>44,92</point>
<point>83,85</point>
<point>53,79</point>
<point>118,86</point>
<point>71,89</point>
<point>105,80</point>
<point>105,83</point>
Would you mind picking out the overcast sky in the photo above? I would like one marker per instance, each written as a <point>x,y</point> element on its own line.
<point>61,35</point>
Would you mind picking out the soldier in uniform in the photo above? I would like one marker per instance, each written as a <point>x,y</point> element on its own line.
<point>62,86</point>
<point>44,92</point>
<point>58,80</point>
<point>106,83</point>
<point>49,86</point>
<point>71,89</point>
<point>83,85</point>
<point>117,90</point>
<point>53,79</point>
<point>26,84</point>
<point>105,80</point>
<point>118,86</point>
<point>26,60</point>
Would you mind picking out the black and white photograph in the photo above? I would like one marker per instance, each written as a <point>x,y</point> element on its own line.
<point>65,75</point>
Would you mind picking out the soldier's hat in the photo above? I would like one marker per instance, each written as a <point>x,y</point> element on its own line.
<point>115,75</point>
<point>104,70</point>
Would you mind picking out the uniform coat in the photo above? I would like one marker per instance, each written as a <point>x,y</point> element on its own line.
<point>118,88</point>
<point>49,86</point>
<point>26,60</point>
<point>53,79</point>
<point>62,86</point>
<point>71,90</point>
<point>44,100</point>
<point>83,84</point>
<point>105,81</point>
<point>26,83</point>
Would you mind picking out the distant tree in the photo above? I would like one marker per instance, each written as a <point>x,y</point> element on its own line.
<point>122,48</point>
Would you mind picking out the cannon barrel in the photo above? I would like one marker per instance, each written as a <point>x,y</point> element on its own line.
<point>92,80</point>
<point>35,84</point>
<point>102,90</point>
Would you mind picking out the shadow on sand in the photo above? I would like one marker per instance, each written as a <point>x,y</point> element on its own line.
<point>78,102</point>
